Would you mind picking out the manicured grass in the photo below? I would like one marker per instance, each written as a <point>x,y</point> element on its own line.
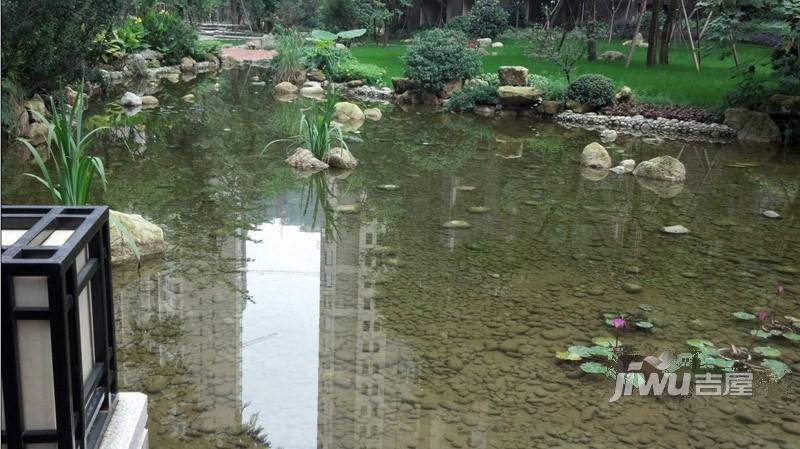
<point>676,83</point>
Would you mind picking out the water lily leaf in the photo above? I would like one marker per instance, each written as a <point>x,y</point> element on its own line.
<point>593,368</point>
<point>644,325</point>
<point>635,379</point>
<point>566,355</point>
<point>792,336</point>
<point>778,369</point>
<point>608,342</point>
<point>716,362</point>
<point>709,351</point>
<point>767,351</point>
<point>698,343</point>
<point>796,324</point>
<point>323,35</point>
<point>744,316</point>
<point>760,333</point>
<point>582,351</point>
<point>352,34</point>
<point>602,351</point>
<point>610,316</point>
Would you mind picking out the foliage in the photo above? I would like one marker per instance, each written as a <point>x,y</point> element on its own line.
<point>68,146</point>
<point>123,40</point>
<point>563,48</point>
<point>490,77</point>
<point>316,130</point>
<point>12,113</point>
<point>553,90</point>
<point>677,112</point>
<point>350,69</point>
<point>750,91</point>
<point>459,23</point>
<point>49,43</point>
<point>592,89</point>
<point>289,63</point>
<point>438,56</point>
<point>202,48</point>
<point>487,18</point>
<point>169,34</point>
<point>467,98</point>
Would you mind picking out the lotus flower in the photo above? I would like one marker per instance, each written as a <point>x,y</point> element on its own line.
<point>762,315</point>
<point>618,322</point>
<point>779,290</point>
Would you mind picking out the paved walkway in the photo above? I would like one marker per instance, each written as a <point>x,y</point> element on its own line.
<point>243,54</point>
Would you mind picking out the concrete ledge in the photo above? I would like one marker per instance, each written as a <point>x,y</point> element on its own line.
<point>128,426</point>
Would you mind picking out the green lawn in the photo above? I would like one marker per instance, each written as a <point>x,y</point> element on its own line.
<point>676,83</point>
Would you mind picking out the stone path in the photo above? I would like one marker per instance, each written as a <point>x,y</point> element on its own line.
<point>243,54</point>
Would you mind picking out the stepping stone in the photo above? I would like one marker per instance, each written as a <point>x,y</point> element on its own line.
<point>675,229</point>
<point>771,214</point>
<point>456,224</point>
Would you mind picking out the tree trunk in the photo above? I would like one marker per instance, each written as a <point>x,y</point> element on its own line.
<point>652,34</point>
<point>635,32</point>
<point>591,39</point>
<point>666,32</point>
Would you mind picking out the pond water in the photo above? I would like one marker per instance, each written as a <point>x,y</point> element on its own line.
<point>277,316</point>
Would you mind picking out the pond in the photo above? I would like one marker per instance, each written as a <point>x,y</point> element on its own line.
<point>279,315</point>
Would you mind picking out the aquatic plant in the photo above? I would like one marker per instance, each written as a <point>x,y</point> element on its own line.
<point>317,132</point>
<point>288,64</point>
<point>618,322</point>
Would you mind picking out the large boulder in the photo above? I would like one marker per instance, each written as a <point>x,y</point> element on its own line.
<point>550,107</point>
<point>624,95</point>
<point>663,168</point>
<point>130,100</point>
<point>513,75</point>
<point>345,111</point>
<point>36,104</point>
<point>148,236</point>
<point>303,159</point>
<point>37,133</point>
<point>149,101</point>
<point>612,55</point>
<point>752,126</point>
<point>595,156</point>
<point>314,91</point>
<point>137,65</point>
<point>285,88</point>
<point>484,42</point>
<point>340,158</point>
<point>187,64</point>
<point>402,85</point>
<point>518,95</point>
<point>784,104</point>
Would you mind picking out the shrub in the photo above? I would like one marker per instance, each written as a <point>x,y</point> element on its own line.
<point>592,89</point>
<point>123,40</point>
<point>459,23</point>
<point>490,77</point>
<point>466,99</point>
<point>288,64</point>
<point>201,49</point>
<point>350,69</point>
<point>486,19</point>
<point>563,48</point>
<point>320,56</point>
<point>554,90</point>
<point>438,56</point>
<point>169,34</point>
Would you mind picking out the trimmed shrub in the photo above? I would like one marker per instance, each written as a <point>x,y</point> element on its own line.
<point>459,23</point>
<point>350,69</point>
<point>487,19</point>
<point>466,99</point>
<point>438,56</point>
<point>592,89</point>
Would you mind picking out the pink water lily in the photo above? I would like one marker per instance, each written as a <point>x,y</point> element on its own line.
<point>762,315</point>
<point>779,290</point>
<point>618,322</point>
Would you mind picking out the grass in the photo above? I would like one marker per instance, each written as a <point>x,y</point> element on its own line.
<point>676,83</point>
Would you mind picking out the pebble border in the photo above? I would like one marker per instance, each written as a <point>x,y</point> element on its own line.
<point>639,126</point>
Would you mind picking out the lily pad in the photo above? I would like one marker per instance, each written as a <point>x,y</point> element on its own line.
<point>602,351</point>
<point>593,368</point>
<point>760,333</point>
<point>608,342</point>
<point>792,336</point>
<point>767,351</point>
<point>744,316</point>
<point>635,379</point>
<point>644,325</point>
<point>778,369</point>
<point>716,362</point>
<point>582,351</point>
<point>698,343</point>
<point>566,355</point>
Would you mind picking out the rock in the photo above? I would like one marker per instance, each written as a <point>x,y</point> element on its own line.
<point>478,209</point>
<point>402,85</point>
<point>628,165</point>
<point>612,55</point>
<point>456,224</point>
<point>595,156</point>
<point>137,65</point>
<point>312,91</point>
<point>189,98</point>
<point>784,104</point>
<point>149,100</point>
<point>340,158</point>
<point>475,82</point>
<point>618,170</point>
<point>752,126</point>
<point>484,42</point>
<point>608,135</point>
<point>518,95</point>
<point>630,287</point>
<point>388,187</point>
<point>347,112</point>
<point>550,107</point>
<point>37,134</point>
<point>486,111</point>
<point>130,100</point>
<point>749,415</point>
<point>36,104</point>
<point>187,64</point>
<point>662,168</point>
<point>352,84</point>
<point>624,95</point>
<point>450,88</point>
<point>594,174</point>
<point>513,75</point>
<point>349,209</point>
<point>675,229</point>
<point>303,159</point>
<point>454,363</point>
<point>316,75</point>
<point>312,84</point>
<point>70,95</point>
<point>373,114</point>
<point>580,108</point>
<point>148,236</point>
<point>771,214</point>
<point>285,88</point>
<point>791,427</point>
<point>497,45</point>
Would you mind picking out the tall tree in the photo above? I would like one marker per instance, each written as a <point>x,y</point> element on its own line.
<point>591,29</point>
<point>652,33</point>
<point>667,30</point>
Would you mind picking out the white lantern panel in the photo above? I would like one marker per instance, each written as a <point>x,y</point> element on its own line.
<point>80,261</point>
<point>30,291</point>
<point>87,332</point>
<point>42,446</point>
<point>36,375</point>
<point>58,237</point>
<point>10,236</point>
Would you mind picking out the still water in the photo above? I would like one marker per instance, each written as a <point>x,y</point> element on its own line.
<point>277,317</point>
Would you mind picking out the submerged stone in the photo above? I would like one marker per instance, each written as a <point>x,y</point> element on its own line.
<point>348,208</point>
<point>630,287</point>
<point>388,187</point>
<point>478,209</point>
<point>456,224</point>
<point>771,214</point>
<point>675,229</point>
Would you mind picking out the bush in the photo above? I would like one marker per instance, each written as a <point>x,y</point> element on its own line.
<point>487,19</point>
<point>350,69</point>
<point>169,34</point>
<point>592,89</point>
<point>320,56</point>
<point>438,56</point>
<point>201,49</point>
<point>459,23</point>
<point>49,43</point>
<point>490,77</point>
<point>554,90</point>
<point>466,99</point>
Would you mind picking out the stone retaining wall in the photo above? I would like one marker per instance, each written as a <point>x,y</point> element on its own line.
<point>640,126</point>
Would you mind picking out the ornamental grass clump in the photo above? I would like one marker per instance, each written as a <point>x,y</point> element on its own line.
<point>289,64</point>
<point>316,130</point>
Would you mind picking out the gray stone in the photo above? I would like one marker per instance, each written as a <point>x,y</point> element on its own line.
<point>675,229</point>
<point>595,156</point>
<point>752,126</point>
<point>345,111</point>
<point>285,88</point>
<point>149,237</point>
<point>456,224</point>
<point>630,287</point>
<point>130,100</point>
<point>187,64</point>
<point>612,55</point>
<point>303,159</point>
<point>402,85</point>
<point>518,95</point>
<point>663,168</point>
<point>340,158</point>
<point>771,214</point>
<point>608,135</point>
<point>373,114</point>
<point>513,75</point>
